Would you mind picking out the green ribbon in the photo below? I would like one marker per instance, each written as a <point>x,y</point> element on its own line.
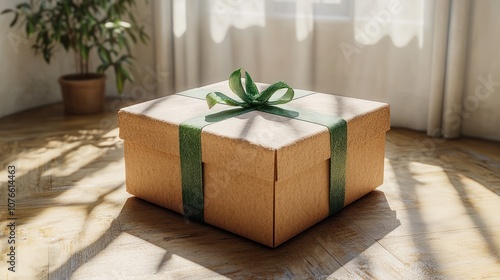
<point>251,99</point>
<point>191,161</point>
<point>337,127</point>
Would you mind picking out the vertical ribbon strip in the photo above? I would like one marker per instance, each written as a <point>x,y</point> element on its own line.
<point>191,159</point>
<point>337,127</point>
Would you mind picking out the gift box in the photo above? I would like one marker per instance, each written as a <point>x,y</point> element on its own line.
<point>266,174</point>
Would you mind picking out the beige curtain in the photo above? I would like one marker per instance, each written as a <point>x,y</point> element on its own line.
<point>416,55</point>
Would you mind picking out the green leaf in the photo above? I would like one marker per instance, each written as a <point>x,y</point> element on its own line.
<point>252,89</point>
<point>65,42</point>
<point>7,11</point>
<point>92,19</point>
<point>14,20</point>
<point>122,75</point>
<point>123,43</point>
<point>23,6</point>
<point>120,41</point>
<point>132,18</point>
<point>37,18</point>
<point>112,11</point>
<point>102,68</point>
<point>30,28</point>
<point>125,58</point>
<point>220,98</point>
<point>39,37</point>
<point>131,34</point>
<point>46,55</point>
<point>104,55</point>
<point>84,51</point>
<point>125,73</point>
<point>144,37</point>
<point>111,38</point>
<point>119,78</point>
<point>236,87</point>
<point>46,37</point>
<point>66,7</point>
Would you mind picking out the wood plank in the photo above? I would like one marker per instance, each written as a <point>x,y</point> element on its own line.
<point>460,254</point>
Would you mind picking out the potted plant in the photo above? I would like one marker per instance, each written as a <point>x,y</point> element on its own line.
<point>85,27</point>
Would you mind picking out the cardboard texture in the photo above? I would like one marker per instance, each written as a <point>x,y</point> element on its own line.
<point>266,177</point>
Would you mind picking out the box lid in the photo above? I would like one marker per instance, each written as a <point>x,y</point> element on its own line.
<point>265,143</point>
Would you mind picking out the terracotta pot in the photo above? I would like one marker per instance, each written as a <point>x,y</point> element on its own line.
<point>83,94</point>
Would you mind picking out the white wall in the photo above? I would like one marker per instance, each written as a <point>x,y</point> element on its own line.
<point>26,81</point>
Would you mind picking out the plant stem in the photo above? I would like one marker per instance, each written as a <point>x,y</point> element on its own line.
<point>76,61</point>
<point>72,41</point>
<point>81,64</point>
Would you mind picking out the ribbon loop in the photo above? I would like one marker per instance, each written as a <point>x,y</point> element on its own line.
<point>236,86</point>
<point>287,97</point>
<point>219,97</point>
<point>252,89</point>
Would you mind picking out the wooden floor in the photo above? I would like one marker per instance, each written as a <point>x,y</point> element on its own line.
<point>436,216</point>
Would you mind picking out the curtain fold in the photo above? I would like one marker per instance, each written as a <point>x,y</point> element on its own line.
<point>438,68</point>
<point>164,48</point>
<point>455,68</point>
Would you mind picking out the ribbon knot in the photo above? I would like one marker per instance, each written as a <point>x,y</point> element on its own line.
<point>250,98</point>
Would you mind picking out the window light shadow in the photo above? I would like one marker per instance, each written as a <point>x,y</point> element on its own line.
<point>442,193</point>
<point>45,145</point>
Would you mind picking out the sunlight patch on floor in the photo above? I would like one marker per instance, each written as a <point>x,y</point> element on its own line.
<point>191,268</point>
<point>419,167</point>
<point>102,176</point>
<point>74,160</point>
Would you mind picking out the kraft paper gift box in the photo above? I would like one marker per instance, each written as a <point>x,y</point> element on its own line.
<point>265,176</point>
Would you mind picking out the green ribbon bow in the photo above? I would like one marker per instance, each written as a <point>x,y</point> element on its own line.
<point>251,97</point>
